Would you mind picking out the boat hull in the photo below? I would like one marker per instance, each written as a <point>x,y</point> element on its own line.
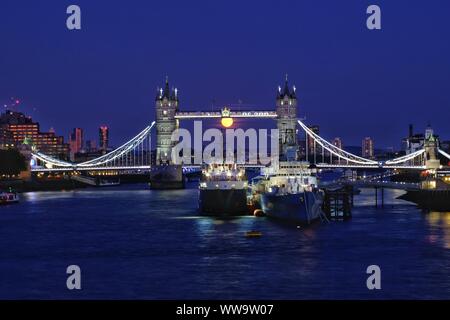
<point>223,202</point>
<point>296,208</point>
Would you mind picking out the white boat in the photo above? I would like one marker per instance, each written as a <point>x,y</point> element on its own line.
<point>8,197</point>
<point>290,192</point>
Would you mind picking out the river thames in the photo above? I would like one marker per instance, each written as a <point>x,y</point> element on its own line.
<point>134,243</point>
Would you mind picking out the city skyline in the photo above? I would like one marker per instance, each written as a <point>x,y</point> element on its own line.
<point>78,142</point>
<point>15,104</point>
<point>338,66</point>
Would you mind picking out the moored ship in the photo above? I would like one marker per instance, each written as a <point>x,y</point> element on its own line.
<point>289,192</point>
<point>223,191</point>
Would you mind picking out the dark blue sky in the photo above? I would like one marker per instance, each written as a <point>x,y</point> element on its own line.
<point>351,81</point>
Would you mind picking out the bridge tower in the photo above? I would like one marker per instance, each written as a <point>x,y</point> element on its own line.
<point>431,145</point>
<point>287,122</point>
<point>166,103</point>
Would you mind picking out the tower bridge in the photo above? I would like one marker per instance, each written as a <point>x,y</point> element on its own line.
<point>136,155</point>
<point>168,116</point>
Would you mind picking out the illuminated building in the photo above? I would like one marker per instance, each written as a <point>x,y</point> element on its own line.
<point>88,152</point>
<point>91,146</point>
<point>76,141</point>
<point>166,106</point>
<point>286,107</point>
<point>316,130</point>
<point>367,148</point>
<point>22,127</point>
<point>6,138</point>
<point>416,141</point>
<point>337,142</point>
<point>103,138</point>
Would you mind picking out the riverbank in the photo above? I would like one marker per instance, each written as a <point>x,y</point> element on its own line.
<point>438,200</point>
<point>40,185</point>
<point>45,184</point>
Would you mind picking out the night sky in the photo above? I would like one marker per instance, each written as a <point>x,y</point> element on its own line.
<point>351,81</point>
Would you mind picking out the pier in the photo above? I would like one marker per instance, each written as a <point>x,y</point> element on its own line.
<point>379,187</point>
<point>338,203</point>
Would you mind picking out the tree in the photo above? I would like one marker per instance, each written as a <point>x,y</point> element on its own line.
<point>12,162</point>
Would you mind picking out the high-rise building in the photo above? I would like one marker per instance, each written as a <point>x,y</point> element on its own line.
<point>311,149</point>
<point>23,128</point>
<point>76,142</point>
<point>337,142</point>
<point>286,107</point>
<point>6,138</point>
<point>367,148</point>
<point>91,146</point>
<point>103,138</point>
<point>166,106</point>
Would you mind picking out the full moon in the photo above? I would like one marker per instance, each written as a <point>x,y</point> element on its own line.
<point>227,122</point>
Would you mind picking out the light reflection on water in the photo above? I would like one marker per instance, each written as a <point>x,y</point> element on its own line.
<point>367,197</point>
<point>439,228</point>
<point>132,242</point>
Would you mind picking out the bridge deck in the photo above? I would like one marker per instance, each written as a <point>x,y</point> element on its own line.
<point>385,184</point>
<point>218,114</point>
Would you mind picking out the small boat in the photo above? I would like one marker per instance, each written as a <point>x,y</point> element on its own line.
<point>253,234</point>
<point>9,197</point>
<point>108,183</point>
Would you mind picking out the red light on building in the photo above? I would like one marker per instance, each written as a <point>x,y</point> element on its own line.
<point>103,138</point>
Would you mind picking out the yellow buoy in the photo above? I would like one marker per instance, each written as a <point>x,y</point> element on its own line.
<point>253,234</point>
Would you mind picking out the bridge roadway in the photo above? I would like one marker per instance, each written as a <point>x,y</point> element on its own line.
<point>125,169</point>
<point>219,114</point>
<point>376,181</point>
<point>384,184</point>
<point>86,180</point>
<point>132,151</point>
<point>368,166</point>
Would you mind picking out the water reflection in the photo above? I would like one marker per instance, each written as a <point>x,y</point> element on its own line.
<point>154,244</point>
<point>45,196</point>
<point>367,197</point>
<point>439,228</point>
